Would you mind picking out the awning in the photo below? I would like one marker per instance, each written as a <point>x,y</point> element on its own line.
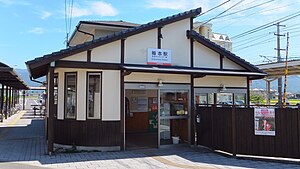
<point>277,69</point>
<point>252,75</point>
<point>9,77</point>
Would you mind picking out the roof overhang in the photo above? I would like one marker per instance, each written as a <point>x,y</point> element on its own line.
<point>194,71</point>
<point>9,77</point>
<point>278,69</point>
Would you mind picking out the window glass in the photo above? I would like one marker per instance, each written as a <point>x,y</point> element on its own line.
<point>71,90</point>
<point>94,95</point>
<point>239,99</point>
<point>224,98</point>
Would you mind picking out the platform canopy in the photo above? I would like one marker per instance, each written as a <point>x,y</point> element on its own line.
<point>9,77</point>
<point>277,69</point>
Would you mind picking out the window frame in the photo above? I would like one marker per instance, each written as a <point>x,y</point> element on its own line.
<point>66,96</point>
<point>87,94</point>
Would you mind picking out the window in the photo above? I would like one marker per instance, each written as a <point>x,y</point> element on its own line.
<point>94,96</point>
<point>70,93</point>
<point>55,88</point>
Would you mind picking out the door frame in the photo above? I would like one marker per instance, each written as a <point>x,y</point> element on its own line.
<point>154,86</point>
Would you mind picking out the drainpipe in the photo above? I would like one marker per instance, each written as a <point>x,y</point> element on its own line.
<point>77,28</point>
<point>37,81</point>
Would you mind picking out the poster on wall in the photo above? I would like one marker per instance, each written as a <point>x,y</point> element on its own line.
<point>264,121</point>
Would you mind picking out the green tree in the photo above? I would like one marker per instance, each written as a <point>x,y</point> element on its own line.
<point>256,99</point>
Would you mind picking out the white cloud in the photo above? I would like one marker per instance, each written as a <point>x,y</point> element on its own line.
<point>14,2</point>
<point>94,8</point>
<point>37,30</point>
<point>178,4</point>
<point>45,14</point>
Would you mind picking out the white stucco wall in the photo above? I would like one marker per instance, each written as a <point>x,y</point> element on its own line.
<point>205,57</point>
<point>153,77</point>
<point>136,47</point>
<point>82,56</point>
<point>174,39</point>
<point>216,81</point>
<point>111,95</point>
<point>228,64</point>
<point>61,94</point>
<point>81,95</point>
<point>110,53</point>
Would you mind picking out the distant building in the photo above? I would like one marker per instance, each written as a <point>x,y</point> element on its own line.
<point>205,30</point>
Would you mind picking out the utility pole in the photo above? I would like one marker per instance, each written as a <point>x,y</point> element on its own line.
<point>286,70</point>
<point>279,60</point>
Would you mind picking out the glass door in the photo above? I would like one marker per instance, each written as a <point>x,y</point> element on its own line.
<point>174,107</point>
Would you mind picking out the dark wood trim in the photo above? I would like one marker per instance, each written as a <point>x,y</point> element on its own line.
<point>94,133</point>
<point>66,96</point>
<point>248,92</point>
<point>88,56</point>
<point>6,101</point>
<point>159,37</point>
<point>221,62</point>
<point>122,51</point>
<point>87,65</point>
<point>9,101</point>
<point>51,110</point>
<point>207,87</point>
<point>166,83</point>
<point>122,96</point>
<point>233,129</point>
<point>122,108</point>
<point>87,94</point>
<point>193,114</point>
<point>222,51</point>
<point>105,24</point>
<point>2,101</point>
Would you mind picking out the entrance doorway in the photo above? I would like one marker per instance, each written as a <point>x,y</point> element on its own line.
<point>156,115</point>
<point>141,122</point>
<point>174,106</point>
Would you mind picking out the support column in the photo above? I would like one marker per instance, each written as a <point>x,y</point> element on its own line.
<point>23,99</point>
<point>248,92</point>
<point>193,114</point>
<point>51,108</point>
<point>9,101</point>
<point>6,101</point>
<point>2,102</point>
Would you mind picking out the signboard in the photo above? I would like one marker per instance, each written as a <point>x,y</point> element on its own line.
<point>264,121</point>
<point>159,57</point>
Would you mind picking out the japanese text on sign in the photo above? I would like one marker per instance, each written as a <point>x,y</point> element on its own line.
<point>159,57</point>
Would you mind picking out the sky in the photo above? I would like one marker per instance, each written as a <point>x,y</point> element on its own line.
<point>33,28</point>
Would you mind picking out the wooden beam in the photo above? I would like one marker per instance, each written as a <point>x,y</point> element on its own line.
<point>87,65</point>
<point>51,110</point>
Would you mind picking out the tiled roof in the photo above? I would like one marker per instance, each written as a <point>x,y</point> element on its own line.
<point>46,59</point>
<point>112,23</point>
<point>231,56</point>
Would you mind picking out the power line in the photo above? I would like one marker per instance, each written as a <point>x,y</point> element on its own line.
<point>262,27</point>
<point>215,7</point>
<point>223,12</point>
<point>245,9</point>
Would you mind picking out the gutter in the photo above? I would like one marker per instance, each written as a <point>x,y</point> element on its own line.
<point>77,28</point>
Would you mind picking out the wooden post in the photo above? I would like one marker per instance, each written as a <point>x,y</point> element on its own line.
<point>248,92</point>
<point>23,99</point>
<point>6,101</point>
<point>298,118</point>
<point>2,102</point>
<point>9,102</point>
<point>51,108</point>
<point>233,121</point>
<point>122,97</point>
<point>193,114</point>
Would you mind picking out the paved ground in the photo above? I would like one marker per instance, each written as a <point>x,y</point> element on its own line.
<point>22,145</point>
